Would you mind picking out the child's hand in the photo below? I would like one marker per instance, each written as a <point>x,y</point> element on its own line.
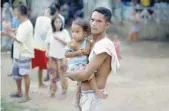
<point>83,51</point>
<point>57,38</point>
<point>72,45</point>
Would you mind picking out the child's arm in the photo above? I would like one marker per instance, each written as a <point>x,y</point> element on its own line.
<point>73,54</point>
<point>87,50</point>
<point>60,40</point>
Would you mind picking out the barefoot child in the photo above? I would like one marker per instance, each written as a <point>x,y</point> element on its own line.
<point>57,41</point>
<point>77,51</point>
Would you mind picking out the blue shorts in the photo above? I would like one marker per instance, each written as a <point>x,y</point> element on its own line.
<point>21,67</point>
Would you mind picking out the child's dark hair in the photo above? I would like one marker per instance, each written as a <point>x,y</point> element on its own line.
<point>84,24</point>
<point>53,23</point>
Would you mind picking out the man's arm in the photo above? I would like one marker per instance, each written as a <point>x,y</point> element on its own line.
<point>93,66</point>
<point>10,35</point>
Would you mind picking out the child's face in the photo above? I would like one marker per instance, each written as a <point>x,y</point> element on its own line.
<point>77,32</point>
<point>58,23</point>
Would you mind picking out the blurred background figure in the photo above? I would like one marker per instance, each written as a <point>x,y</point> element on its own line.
<point>116,41</point>
<point>6,25</point>
<point>136,28</point>
<point>42,27</point>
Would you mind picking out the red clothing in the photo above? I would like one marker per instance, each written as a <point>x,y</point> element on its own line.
<point>40,60</point>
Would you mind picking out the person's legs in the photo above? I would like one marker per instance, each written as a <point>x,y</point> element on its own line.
<point>62,66</point>
<point>47,76</point>
<point>19,89</point>
<point>137,36</point>
<point>19,86</point>
<point>27,85</point>
<point>131,36</point>
<point>52,72</point>
<point>40,78</point>
<point>77,99</point>
<point>24,70</point>
<point>18,79</point>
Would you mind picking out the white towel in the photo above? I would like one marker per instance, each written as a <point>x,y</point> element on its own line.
<point>106,45</point>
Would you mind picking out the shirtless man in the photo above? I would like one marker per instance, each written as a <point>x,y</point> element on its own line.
<point>102,60</point>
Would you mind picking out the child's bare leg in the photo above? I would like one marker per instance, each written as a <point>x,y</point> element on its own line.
<point>77,100</point>
<point>64,81</point>
<point>94,86</point>
<point>137,36</point>
<point>131,34</point>
<point>53,72</point>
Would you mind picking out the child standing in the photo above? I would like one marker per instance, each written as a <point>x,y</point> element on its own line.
<point>78,51</point>
<point>57,41</point>
<point>134,34</point>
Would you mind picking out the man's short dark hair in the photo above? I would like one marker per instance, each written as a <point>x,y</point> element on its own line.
<point>104,11</point>
<point>57,6</point>
<point>52,10</point>
<point>23,10</point>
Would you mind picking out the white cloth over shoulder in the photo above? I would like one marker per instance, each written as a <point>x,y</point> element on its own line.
<point>106,46</point>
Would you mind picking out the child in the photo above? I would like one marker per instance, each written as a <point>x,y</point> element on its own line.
<point>57,41</point>
<point>134,35</point>
<point>77,51</point>
<point>116,42</point>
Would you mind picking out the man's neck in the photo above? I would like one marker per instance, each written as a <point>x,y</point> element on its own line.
<point>98,37</point>
<point>23,19</point>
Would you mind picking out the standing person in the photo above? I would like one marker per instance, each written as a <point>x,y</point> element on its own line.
<point>42,27</point>
<point>56,14</point>
<point>6,25</point>
<point>78,52</point>
<point>15,24</point>
<point>23,52</point>
<point>56,55</point>
<point>102,60</point>
<point>134,35</point>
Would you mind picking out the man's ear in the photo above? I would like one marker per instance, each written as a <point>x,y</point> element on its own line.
<point>108,24</point>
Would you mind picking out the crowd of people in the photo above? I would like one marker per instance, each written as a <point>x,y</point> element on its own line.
<point>87,56</point>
